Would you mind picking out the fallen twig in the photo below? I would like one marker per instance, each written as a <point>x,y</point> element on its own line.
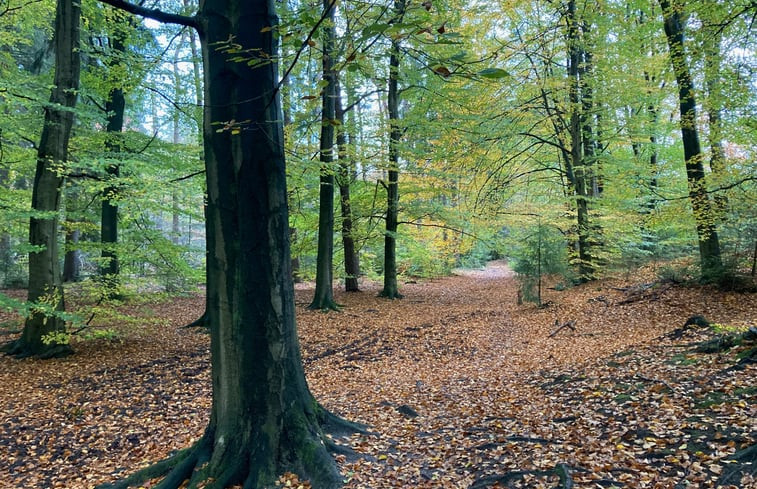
<point>569,324</point>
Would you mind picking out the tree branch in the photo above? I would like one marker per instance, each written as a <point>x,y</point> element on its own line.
<point>711,191</point>
<point>187,177</point>
<point>155,14</point>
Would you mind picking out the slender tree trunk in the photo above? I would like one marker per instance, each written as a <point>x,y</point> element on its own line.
<point>6,254</point>
<point>175,205</point>
<point>44,265</point>
<point>115,107</point>
<point>586,268</point>
<point>72,260</point>
<point>6,257</point>
<point>709,244</point>
<point>712,62</point>
<point>351,259</point>
<point>264,421</point>
<point>287,110</point>
<point>391,288</point>
<point>324,292</point>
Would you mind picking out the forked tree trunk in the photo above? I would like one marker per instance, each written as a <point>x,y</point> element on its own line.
<point>264,420</point>
<point>44,264</point>
<point>391,288</point>
<point>709,244</point>
<point>324,292</point>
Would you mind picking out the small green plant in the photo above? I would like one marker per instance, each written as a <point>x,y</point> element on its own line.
<point>541,252</point>
<point>102,334</point>
<point>57,338</point>
<point>725,328</point>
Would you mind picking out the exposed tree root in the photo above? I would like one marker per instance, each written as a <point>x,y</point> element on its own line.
<point>325,305</point>
<point>200,322</point>
<point>19,349</point>
<point>338,426</point>
<point>744,463</point>
<point>562,471</point>
<point>217,465</point>
<point>391,294</point>
<point>159,469</point>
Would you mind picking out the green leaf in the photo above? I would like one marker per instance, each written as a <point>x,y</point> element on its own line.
<point>374,29</point>
<point>493,73</point>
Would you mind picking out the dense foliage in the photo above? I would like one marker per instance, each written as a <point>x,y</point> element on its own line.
<point>545,132</point>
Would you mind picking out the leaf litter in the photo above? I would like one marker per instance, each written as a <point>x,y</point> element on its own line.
<point>460,386</point>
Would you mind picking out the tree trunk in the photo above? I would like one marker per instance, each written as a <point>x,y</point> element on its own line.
<point>176,139</point>
<point>391,289</point>
<point>114,107</point>
<point>324,293</point>
<point>287,109</point>
<point>72,260</point>
<point>709,245</point>
<point>713,62</point>
<point>351,259</point>
<point>264,421</point>
<point>586,268</point>
<point>44,266</point>
<point>6,253</point>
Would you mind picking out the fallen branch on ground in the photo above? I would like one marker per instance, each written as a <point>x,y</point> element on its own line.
<point>568,324</point>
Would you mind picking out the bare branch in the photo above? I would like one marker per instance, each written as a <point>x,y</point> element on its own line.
<point>155,14</point>
<point>187,177</point>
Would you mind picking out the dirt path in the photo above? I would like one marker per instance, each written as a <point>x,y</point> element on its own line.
<point>457,380</point>
<point>494,270</point>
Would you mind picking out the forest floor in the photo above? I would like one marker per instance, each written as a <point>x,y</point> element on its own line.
<point>461,388</point>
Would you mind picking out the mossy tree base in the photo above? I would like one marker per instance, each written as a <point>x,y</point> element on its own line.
<point>390,293</point>
<point>21,349</point>
<point>326,304</point>
<point>217,461</point>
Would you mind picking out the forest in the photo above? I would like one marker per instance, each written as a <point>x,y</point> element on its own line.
<point>378,243</point>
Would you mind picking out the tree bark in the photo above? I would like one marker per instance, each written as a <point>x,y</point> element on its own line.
<point>324,292</point>
<point>586,267</point>
<point>709,244</point>
<point>6,253</point>
<point>44,266</point>
<point>391,289</point>
<point>264,421</point>
<point>351,258</point>
<point>115,107</point>
<point>72,260</point>
<point>713,62</point>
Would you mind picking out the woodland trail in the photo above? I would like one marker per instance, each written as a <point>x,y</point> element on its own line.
<point>458,382</point>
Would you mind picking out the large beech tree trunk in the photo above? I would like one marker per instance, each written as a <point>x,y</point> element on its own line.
<point>264,420</point>
<point>44,265</point>
<point>391,289</point>
<point>324,293</point>
<point>709,244</point>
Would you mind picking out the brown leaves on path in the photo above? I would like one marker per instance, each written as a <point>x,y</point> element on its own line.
<point>462,387</point>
